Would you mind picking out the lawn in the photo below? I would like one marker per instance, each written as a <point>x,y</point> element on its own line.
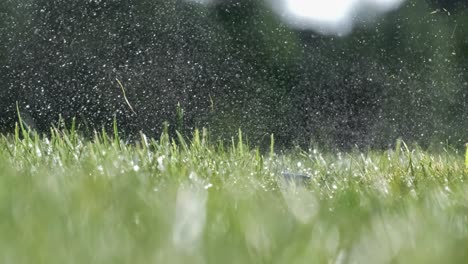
<point>66,199</point>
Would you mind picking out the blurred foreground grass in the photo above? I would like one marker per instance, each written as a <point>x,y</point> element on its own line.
<point>64,199</point>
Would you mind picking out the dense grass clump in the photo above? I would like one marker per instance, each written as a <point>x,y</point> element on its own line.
<point>64,199</point>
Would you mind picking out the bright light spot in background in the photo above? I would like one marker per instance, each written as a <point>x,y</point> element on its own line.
<point>336,17</point>
<point>326,11</point>
<point>331,16</point>
<point>203,2</point>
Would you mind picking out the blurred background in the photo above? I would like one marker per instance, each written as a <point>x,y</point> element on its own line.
<point>364,76</point>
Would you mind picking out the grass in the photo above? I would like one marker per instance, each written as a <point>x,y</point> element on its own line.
<point>64,199</point>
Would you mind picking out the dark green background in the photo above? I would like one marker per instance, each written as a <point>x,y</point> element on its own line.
<point>237,66</point>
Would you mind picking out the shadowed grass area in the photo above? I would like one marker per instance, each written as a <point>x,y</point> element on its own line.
<point>64,199</point>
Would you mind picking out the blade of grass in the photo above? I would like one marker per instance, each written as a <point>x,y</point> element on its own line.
<point>125,96</point>
<point>466,156</point>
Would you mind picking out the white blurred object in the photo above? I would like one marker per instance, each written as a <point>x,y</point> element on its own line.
<point>203,2</point>
<point>190,214</point>
<point>331,11</point>
<point>334,17</point>
<point>331,16</point>
<point>301,202</point>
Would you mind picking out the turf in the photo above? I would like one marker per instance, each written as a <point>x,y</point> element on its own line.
<point>65,199</point>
